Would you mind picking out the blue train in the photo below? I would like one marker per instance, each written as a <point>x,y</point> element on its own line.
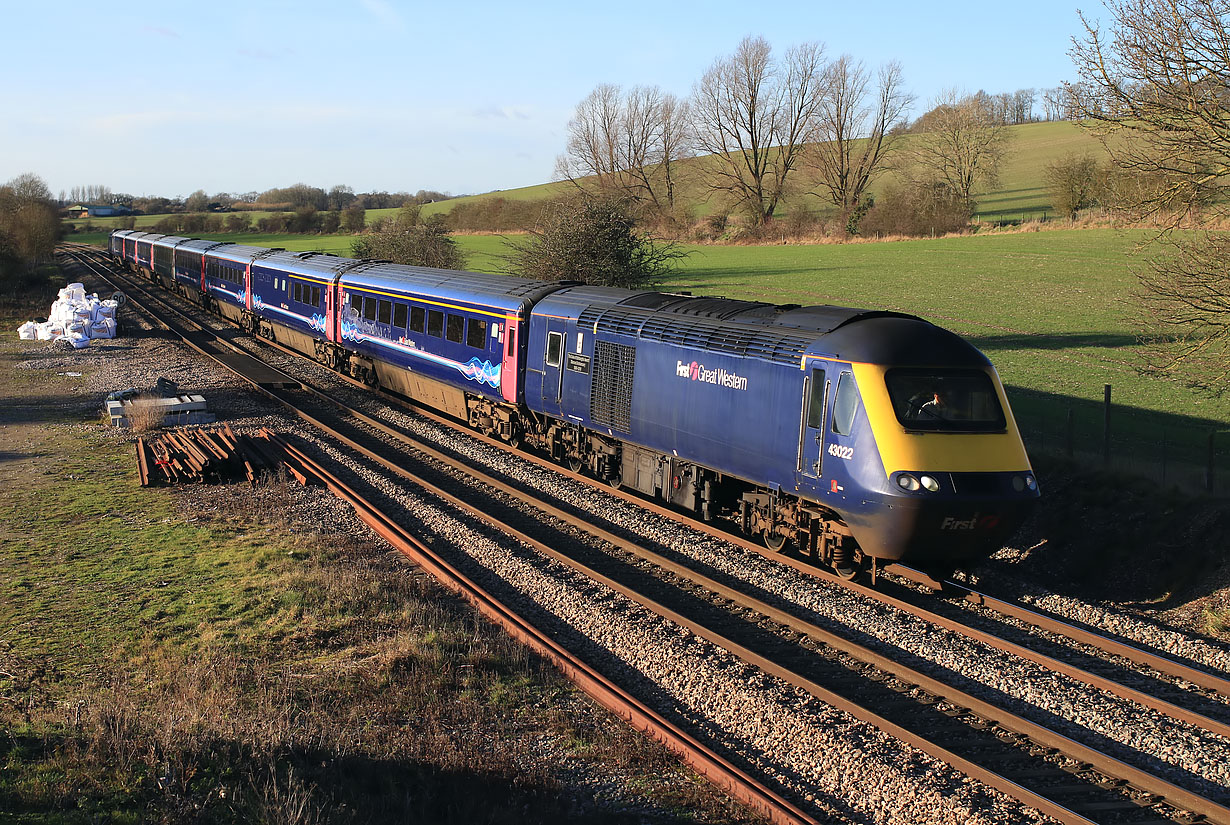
<point>859,436</point>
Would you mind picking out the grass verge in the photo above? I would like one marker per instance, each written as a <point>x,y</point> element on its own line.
<point>200,654</point>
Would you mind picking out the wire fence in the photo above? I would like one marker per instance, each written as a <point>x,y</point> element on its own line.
<point>1174,451</point>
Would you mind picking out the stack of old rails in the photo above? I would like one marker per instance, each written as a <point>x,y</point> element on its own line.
<point>188,455</point>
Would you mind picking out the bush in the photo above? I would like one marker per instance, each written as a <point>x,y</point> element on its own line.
<point>593,240</point>
<point>411,240</point>
<point>354,218</point>
<point>238,222</point>
<point>1075,183</point>
<point>495,215</point>
<point>915,210</point>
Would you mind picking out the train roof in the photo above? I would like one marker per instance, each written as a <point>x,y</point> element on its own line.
<point>144,237</point>
<point>170,241</point>
<point>239,253</point>
<point>315,265</point>
<point>120,233</point>
<point>779,333</point>
<point>504,292</point>
<point>200,245</point>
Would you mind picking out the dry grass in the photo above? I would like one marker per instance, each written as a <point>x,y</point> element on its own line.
<point>357,691</point>
<point>145,413</point>
<point>1216,622</point>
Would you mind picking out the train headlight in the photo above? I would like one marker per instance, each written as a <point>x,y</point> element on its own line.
<point>1023,483</point>
<point>930,483</point>
<point>908,482</point>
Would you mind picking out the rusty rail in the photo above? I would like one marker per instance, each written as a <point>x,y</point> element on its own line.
<point>701,759</point>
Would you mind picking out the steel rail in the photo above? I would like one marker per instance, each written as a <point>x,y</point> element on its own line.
<point>704,760</point>
<point>1055,624</point>
<point>640,716</point>
<point>1051,663</point>
<point>1140,779</point>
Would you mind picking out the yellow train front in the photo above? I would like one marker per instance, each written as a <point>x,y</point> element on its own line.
<point>920,456</point>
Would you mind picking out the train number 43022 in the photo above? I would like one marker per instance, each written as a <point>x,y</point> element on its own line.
<point>838,451</point>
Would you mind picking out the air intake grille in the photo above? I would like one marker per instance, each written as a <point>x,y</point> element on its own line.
<point>610,388</point>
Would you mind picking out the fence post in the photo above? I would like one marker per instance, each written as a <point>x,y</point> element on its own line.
<point>1070,433</point>
<point>1208,471</point>
<point>1163,456</point>
<point>1106,424</point>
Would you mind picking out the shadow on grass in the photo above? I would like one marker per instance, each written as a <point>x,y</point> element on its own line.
<point>65,408</point>
<point>225,782</point>
<point>1077,340</point>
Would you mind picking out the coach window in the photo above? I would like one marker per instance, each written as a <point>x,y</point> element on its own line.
<point>456,327</point>
<point>435,323</point>
<point>385,315</point>
<point>815,401</point>
<point>418,319</point>
<point>476,333</point>
<point>512,341</point>
<point>844,404</point>
<point>555,346</point>
<point>369,308</point>
<point>297,291</point>
<point>315,296</point>
<point>399,316</point>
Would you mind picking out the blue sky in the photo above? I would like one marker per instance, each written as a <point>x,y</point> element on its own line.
<point>169,97</point>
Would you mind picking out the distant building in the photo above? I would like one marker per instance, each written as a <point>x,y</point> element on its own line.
<point>87,211</point>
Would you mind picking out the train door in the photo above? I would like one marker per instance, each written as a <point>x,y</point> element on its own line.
<point>330,311</point>
<point>553,364</point>
<point>811,436</point>
<point>840,439</point>
<point>509,372</point>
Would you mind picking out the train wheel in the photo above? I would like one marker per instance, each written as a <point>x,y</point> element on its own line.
<point>576,465</point>
<point>847,573</point>
<point>774,541</point>
<point>616,482</point>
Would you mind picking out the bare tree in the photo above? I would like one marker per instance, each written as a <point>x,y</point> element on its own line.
<point>627,144</point>
<point>1022,106</point>
<point>655,138</point>
<point>1154,89</point>
<point>754,116</point>
<point>340,197</point>
<point>677,141</point>
<point>963,145</point>
<point>854,133</point>
<point>198,201</point>
<point>29,220</point>
<point>594,140</point>
<point>1053,107</point>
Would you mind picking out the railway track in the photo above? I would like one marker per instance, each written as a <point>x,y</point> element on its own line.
<point>1040,767</point>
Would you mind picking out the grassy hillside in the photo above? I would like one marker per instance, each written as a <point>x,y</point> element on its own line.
<point>1020,193</point>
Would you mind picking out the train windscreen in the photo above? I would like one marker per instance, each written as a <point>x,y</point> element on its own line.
<point>939,400</point>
